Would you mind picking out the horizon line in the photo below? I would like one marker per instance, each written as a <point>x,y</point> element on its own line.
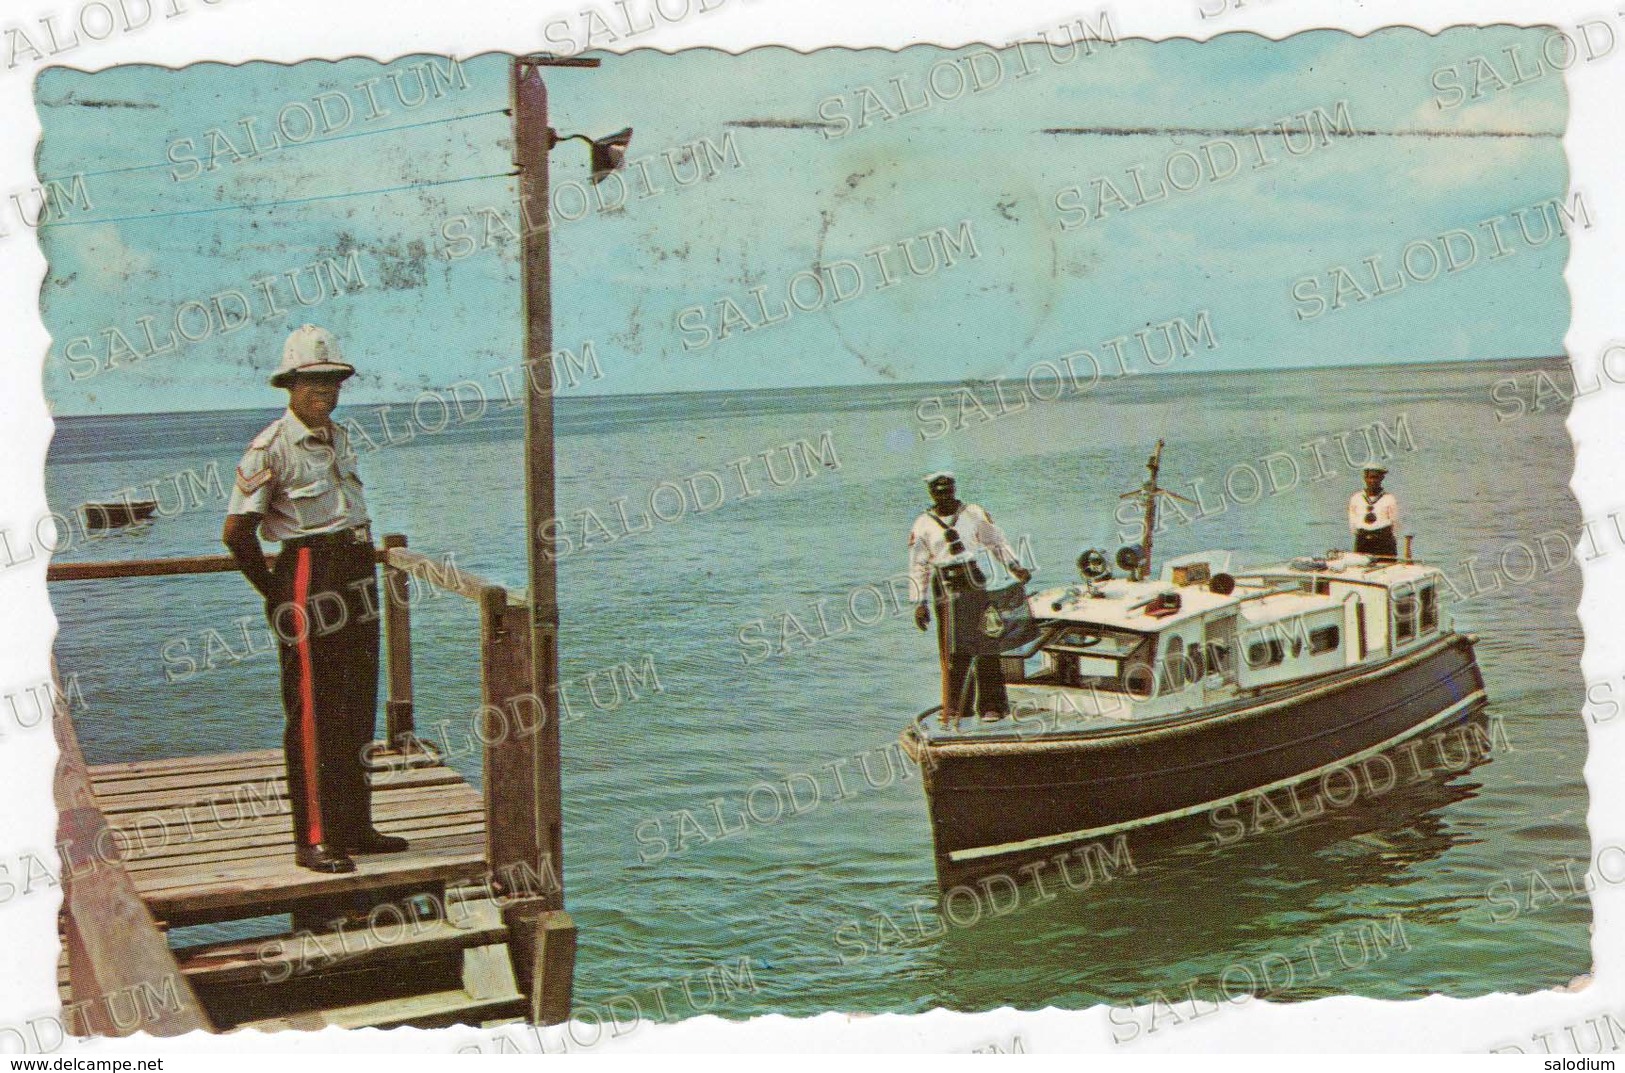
<point>958,382</point>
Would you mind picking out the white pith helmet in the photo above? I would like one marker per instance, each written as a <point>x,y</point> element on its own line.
<point>310,350</point>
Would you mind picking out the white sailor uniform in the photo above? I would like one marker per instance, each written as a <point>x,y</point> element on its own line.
<point>944,566</point>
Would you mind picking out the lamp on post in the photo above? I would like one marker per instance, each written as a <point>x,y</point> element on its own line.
<point>541,935</point>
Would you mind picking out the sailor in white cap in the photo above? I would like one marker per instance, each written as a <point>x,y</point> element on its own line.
<point>943,548</point>
<point>298,485</point>
<point>1374,516</point>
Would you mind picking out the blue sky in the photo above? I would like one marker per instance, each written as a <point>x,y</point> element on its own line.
<point>788,198</point>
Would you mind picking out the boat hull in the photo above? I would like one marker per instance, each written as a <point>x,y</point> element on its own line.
<point>117,515</point>
<point>997,803</point>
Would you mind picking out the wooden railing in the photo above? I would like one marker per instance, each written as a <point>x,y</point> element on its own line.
<point>114,946</point>
<point>521,751</point>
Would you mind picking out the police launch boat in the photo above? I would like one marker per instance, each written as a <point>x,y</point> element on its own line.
<point>1147,706</point>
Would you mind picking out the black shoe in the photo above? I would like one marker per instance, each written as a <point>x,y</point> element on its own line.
<point>323,858</point>
<point>993,716</point>
<point>376,842</point>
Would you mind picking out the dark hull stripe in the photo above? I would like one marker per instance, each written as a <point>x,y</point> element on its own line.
<point>985,796</point>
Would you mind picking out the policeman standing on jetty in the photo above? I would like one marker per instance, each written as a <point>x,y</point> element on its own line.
<point>298,485</point>
<point>943,548</point>
<point>1374,516</point>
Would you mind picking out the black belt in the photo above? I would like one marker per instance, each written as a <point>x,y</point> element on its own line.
<point>358,536</point>
<point>966,574</point>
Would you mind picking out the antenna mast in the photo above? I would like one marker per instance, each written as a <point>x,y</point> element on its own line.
<point>1152,465</point>
<point>1148,493</point>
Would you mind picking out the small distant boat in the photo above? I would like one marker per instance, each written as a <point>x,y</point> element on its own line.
<point>1147,700</point>
<point>125,512</point>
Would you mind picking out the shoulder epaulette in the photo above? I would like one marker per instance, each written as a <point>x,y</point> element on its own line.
<point>266,435</point>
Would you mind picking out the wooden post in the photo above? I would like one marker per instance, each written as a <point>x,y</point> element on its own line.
<point>511,722</point>
<point>398,719</point>
<point>542,943</point>
<point>536,937</point>
<point>533,139</point>
<point>541,937</point>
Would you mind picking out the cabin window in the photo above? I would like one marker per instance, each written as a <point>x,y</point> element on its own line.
<point>1174,663</point>
<point>1430,608</point>
<point>1404,618</point>
<point>1265,653</point>
<point>1218,658</point>
<point>1325,639</point>
<point>1323,586</point>
<point>1094,657</point>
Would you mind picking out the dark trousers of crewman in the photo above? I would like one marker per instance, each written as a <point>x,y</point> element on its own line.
<point>324,611</point>
<point>957,601</point>
<point>1378,542</point>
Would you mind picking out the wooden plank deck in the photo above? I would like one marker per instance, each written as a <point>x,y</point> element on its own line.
<point>208,838</point>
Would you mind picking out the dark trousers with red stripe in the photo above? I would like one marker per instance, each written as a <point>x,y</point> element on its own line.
<point>324,611</point>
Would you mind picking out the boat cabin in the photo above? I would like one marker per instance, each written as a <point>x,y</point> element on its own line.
<point>1129,650</point>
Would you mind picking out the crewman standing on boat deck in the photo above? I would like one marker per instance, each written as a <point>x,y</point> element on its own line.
<point>944,576</point>
<point>298,485</point>
<point>1374,516</point>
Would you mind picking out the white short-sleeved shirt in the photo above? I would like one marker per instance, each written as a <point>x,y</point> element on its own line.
<point>1385,507</point>
<point>303,485</point>
<point>928,543</point>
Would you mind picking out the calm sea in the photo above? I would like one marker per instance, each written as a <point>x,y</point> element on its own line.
<point>833,908</point>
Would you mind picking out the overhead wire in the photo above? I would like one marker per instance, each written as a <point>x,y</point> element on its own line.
<point>289,145</point>
<point>272,204</point>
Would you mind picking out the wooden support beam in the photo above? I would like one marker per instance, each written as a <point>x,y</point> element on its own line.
<point>443,574</point>
<point>550,969</point>
<point>511,718</point>
<point>533,140</point>
<point>183,564</point>
<point>542,943</point>
<point>398,718</point>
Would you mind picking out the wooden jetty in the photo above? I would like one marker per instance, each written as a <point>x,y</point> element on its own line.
<point>474,911</point>
<point>466,927</point>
